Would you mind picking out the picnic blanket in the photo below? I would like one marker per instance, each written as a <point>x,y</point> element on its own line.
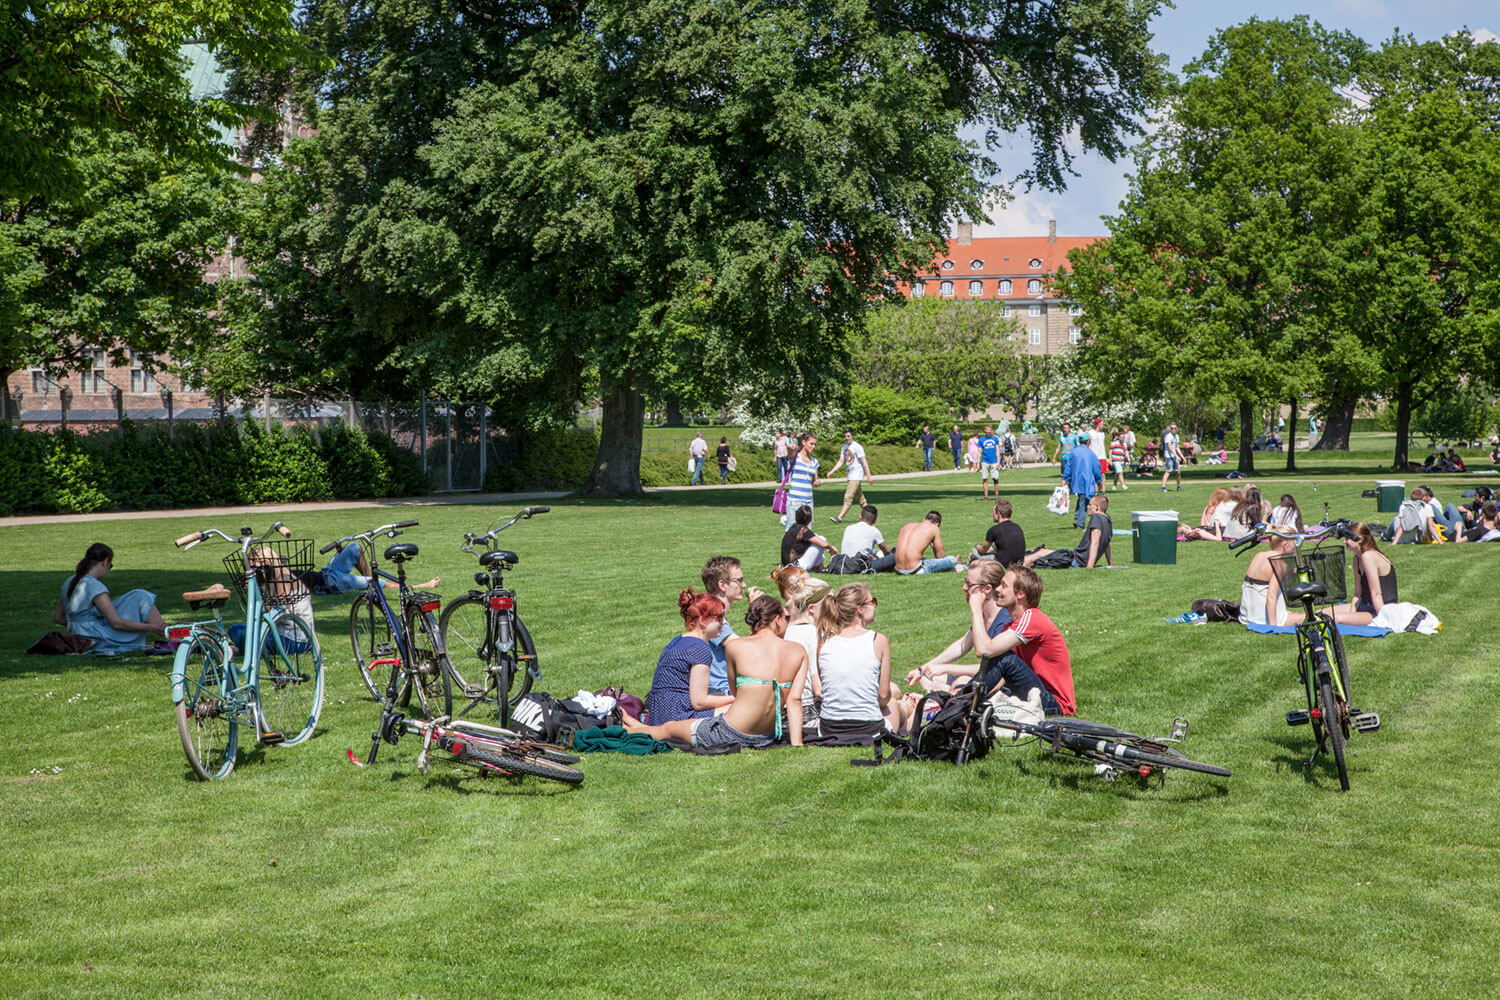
<point>1367,631</point>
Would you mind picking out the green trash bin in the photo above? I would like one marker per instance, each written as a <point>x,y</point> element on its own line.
<point>1155,540</point>
<point>1392,492</point>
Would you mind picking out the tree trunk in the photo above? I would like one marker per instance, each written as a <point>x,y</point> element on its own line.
<point>6,407</point>
<point>1338,421</point>
<point>1291,438</point>
<point>1403,424</point>
<point>1247,436</point>
<point>674,413</point>
<point>617,467</point>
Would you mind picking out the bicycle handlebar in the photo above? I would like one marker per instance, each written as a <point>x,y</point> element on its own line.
<point>193,538</point>
<point>392,529</point>
<point>470,538</point>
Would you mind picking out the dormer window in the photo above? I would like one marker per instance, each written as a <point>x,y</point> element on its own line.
<point>947,265</point>
<point>976,265</point>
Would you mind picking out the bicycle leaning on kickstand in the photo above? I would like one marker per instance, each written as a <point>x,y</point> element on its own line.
<point>1321,665</point>
<point>490,653</point>
<point>406,647</point>
<point>276,688</point>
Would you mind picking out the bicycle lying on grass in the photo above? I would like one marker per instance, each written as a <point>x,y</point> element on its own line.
<point>489,749</point>
<point>1320,649</point>
<point>410,644</point>
<point>1112,751</point>
<point>277,687</point>
<point>491,656</point>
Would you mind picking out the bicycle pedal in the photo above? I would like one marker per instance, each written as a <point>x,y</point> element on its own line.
<point>1299,717</point>
<point>1366,722</point>
<point>271,737</point>
<point>473,691</point>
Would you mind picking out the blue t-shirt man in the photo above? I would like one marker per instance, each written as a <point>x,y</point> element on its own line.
<point>989,450</point>
<point>718,669</point>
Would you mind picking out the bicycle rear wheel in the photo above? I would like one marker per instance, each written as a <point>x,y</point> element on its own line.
<point>477,666</point>
<point>1336,643</point>
<point>519,762</point>
<point>370,635</point>
<point>1335,722</point>
<point>291,679</point>
<point>427,673</point>
<point>205,723</point>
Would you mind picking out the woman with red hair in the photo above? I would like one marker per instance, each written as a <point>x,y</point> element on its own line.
<point>679,690</point>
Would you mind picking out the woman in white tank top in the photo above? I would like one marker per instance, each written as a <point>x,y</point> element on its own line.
<point>854,668</point>
<point>801,593</point>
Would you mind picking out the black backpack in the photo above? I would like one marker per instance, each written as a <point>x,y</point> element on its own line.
<point>958,731</point>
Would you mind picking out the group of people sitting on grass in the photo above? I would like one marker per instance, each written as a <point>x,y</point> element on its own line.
<point>1423,518</point>
<point>1444,461</point>
<point>813,668</point>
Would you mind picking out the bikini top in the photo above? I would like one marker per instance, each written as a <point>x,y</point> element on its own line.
<point>776,688</point>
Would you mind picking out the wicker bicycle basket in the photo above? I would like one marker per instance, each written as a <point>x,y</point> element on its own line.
<point>1326,566</point>
<point>278,565</point>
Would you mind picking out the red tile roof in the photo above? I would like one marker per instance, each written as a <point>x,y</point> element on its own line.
<point>1001,257</point>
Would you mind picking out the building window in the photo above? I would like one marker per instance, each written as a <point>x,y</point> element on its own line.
<point>1034,335</point>
<point>1034,286</point>
<point>947,265</point>
<point>1033,310</point>
<point>946,289</point>
<point>1074,309</point>
<point>976,265</point>
<point>1004,286</point>
<point>1034,262</point>
<point>40,383</point>
<point>1005,312</point>
<point>1074,335</point>
<point>976,289</point>
<point>142,381</point>
<point>918,290</point>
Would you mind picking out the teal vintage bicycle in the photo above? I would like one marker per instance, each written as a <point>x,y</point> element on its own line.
<point>275,685</point>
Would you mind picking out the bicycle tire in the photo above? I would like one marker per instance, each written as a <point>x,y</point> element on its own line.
<point>290,681</point>
<point>1077,731</point>
<point>520,762</point>
<point>1339,661</point>
<point>427,673</point>
<point>209,733</point>
<point>465,626</point>
<point>1174,759</point>
<point>1334,727</point>
<point>370,635</point>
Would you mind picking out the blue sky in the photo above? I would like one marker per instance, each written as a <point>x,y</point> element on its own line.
<point>1182,34</point>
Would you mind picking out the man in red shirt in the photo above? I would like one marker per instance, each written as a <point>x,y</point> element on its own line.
<point>1030,651</point>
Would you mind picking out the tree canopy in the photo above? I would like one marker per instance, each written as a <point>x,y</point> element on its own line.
<point>538,202</point>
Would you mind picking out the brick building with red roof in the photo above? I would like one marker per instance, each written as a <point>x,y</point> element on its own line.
<point>1013,272</point>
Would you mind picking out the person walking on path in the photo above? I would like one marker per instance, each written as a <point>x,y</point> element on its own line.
<point>1084,479</point>
<point>1171,456</point>
<point>783,448</point>
<point>697,451</point>
<point>1117,458</point>
<point>925,441</point>
<point>956,445</point>
<point>1099,446</point>
<point>721,455</point>
<point>852,458</point>
<point>799,491</point>
<point>989,461</point>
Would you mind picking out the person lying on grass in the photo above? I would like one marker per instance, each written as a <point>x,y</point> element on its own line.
<point>1027,651</point>
<point>767,673</point>
<point>349,570</point>
<point>679,689</point>
<point>1091,549</point>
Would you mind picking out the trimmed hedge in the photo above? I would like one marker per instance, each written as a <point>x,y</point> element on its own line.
<point>142,468</point>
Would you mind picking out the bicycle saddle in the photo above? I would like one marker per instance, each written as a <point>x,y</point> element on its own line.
<point>505,556</point>
<point>400,552</point>
<point>1312,588</point>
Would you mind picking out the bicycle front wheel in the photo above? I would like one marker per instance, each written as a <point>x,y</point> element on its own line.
<point>291,679</point>
<point>519,762</point>
<point>205,722</point>
<point>370,635</point>
<point>1334,723</point>
<point>1336,644</point>
<point>427,673</point>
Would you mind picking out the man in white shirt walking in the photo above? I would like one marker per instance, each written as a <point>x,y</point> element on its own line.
<point>853,459</point>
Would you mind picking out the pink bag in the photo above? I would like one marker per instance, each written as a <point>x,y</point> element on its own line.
<point>778,500</point>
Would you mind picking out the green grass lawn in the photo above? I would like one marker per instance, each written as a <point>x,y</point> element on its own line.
<point>783,873</point>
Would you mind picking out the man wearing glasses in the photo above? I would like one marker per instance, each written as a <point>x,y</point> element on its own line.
<point>724,578</point>
<point>1020,649</point>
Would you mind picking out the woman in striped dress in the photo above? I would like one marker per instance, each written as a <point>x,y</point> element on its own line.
<point>804,477</point>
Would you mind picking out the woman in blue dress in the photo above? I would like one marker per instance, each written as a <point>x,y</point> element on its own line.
<point>85,607</point>
<point>679,689</point>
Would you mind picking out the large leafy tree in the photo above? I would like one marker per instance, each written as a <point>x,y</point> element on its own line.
<point>70,69</point>
<point>1209,279</point>
<point>1423,291</point>
<point>120,266</point>
<point>538,201</point>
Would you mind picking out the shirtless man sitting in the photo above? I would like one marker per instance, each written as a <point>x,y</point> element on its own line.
<point>914,539</point>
